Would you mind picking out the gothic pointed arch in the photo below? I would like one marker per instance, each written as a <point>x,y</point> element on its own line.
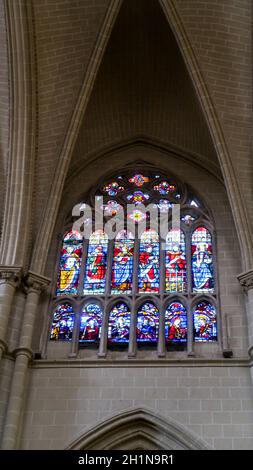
<point>138,428</point>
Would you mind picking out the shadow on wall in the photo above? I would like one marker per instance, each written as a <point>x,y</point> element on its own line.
<point>138,429</point>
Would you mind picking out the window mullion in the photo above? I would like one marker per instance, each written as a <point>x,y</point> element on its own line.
<point>104,331</point>
<point>75,334</point>
<point>161,338</point>
<point>188,234</point>
<point>83,266</point>
<point>132,334</point>
<point>109,268</point>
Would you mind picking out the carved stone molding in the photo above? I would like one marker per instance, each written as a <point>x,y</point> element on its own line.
<point>250,351</point>
<point>10,275</point>
<point>23,352</point>
<point>35,282</point>
<point>246,280</point>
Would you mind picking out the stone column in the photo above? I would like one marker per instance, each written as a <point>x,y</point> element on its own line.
<point>9,280</point>
<point>246,281</point>
<point>23,355</point>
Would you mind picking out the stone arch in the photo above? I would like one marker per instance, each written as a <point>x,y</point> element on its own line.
<point>138,428</point>
<point>238,209</point>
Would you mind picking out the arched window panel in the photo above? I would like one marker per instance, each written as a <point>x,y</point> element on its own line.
<point>63,323</point>
<point>70,260</point>
<point>147,323</point>
<point>119,324</point>
<point>90,323</point>
<point>175,262</point>
<point>202,261</point>
<point>122,267</point>
<point>205,322</point>
<point>176,323</point>
<point>95,270</point>
<point>149,274</point>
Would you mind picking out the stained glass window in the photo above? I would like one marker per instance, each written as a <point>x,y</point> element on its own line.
<point>70,260</point>
<point>202,261</point>
<point>95,273</point>
<point>147,323</point>
<point>112,208</point>
<point>63,322</point>
<point>137,216</point>
<point>165,188</point>
<point>139,180</point>
<point>90,323</point>
<point>176,323</point>
<point>175,262</point>
<point>138,197</point>
<point>204,320</point>
<point>119,324</point>
<point>163,205</point>
<point>113,189</point>
<point>122,267</point>
<point>148,277</point>
<point>188,219</point>
<point>136,266</point>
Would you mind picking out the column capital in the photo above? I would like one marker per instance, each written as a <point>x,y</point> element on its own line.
<point>246,280</point>
<point>36,282</point>
<point>10,275</point>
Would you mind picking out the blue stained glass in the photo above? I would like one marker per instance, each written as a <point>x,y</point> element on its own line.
<point>90,324</point>
<point>205,322</point>
<point>113,189</point>
<point>202,261</point>
<point>70,261</point>
<point>119,324</point>
<point>63,322</point>
<point>148,278</point>
<point>138,197</point>
<point>95,273</point>
<point>122,268</point>
<point>176,323</point>
<point>139,180</point>
<point>147,323</point>
<point>165,188</point>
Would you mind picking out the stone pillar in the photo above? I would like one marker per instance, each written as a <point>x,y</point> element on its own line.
<point>23,355</point>
<point>246,281</point>
<point>9,280</point>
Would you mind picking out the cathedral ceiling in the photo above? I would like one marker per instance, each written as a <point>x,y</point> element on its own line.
<point>143,90</point>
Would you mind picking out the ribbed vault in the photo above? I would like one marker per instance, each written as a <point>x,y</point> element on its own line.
<point>143,88</point>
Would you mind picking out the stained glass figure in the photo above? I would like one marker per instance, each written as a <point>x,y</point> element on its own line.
<point>176,323</point>
<point>95,273</point>
<point>70,260</point>
<point>205,323</point>
<point>202,261</point>
<point>111,208</point>
<point>139,180</point>
<point>188,219</point>
<point>165,188</point>
<point>137,216</point>
<point>63,322</point>
<point>119,324</point>
<point>113,189</point>
<point>175,262</point>
<point>148,277</point>
<point>138,197</point>
<point>147,323</point>
<point>122,267</point>
<point>90,324</point>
